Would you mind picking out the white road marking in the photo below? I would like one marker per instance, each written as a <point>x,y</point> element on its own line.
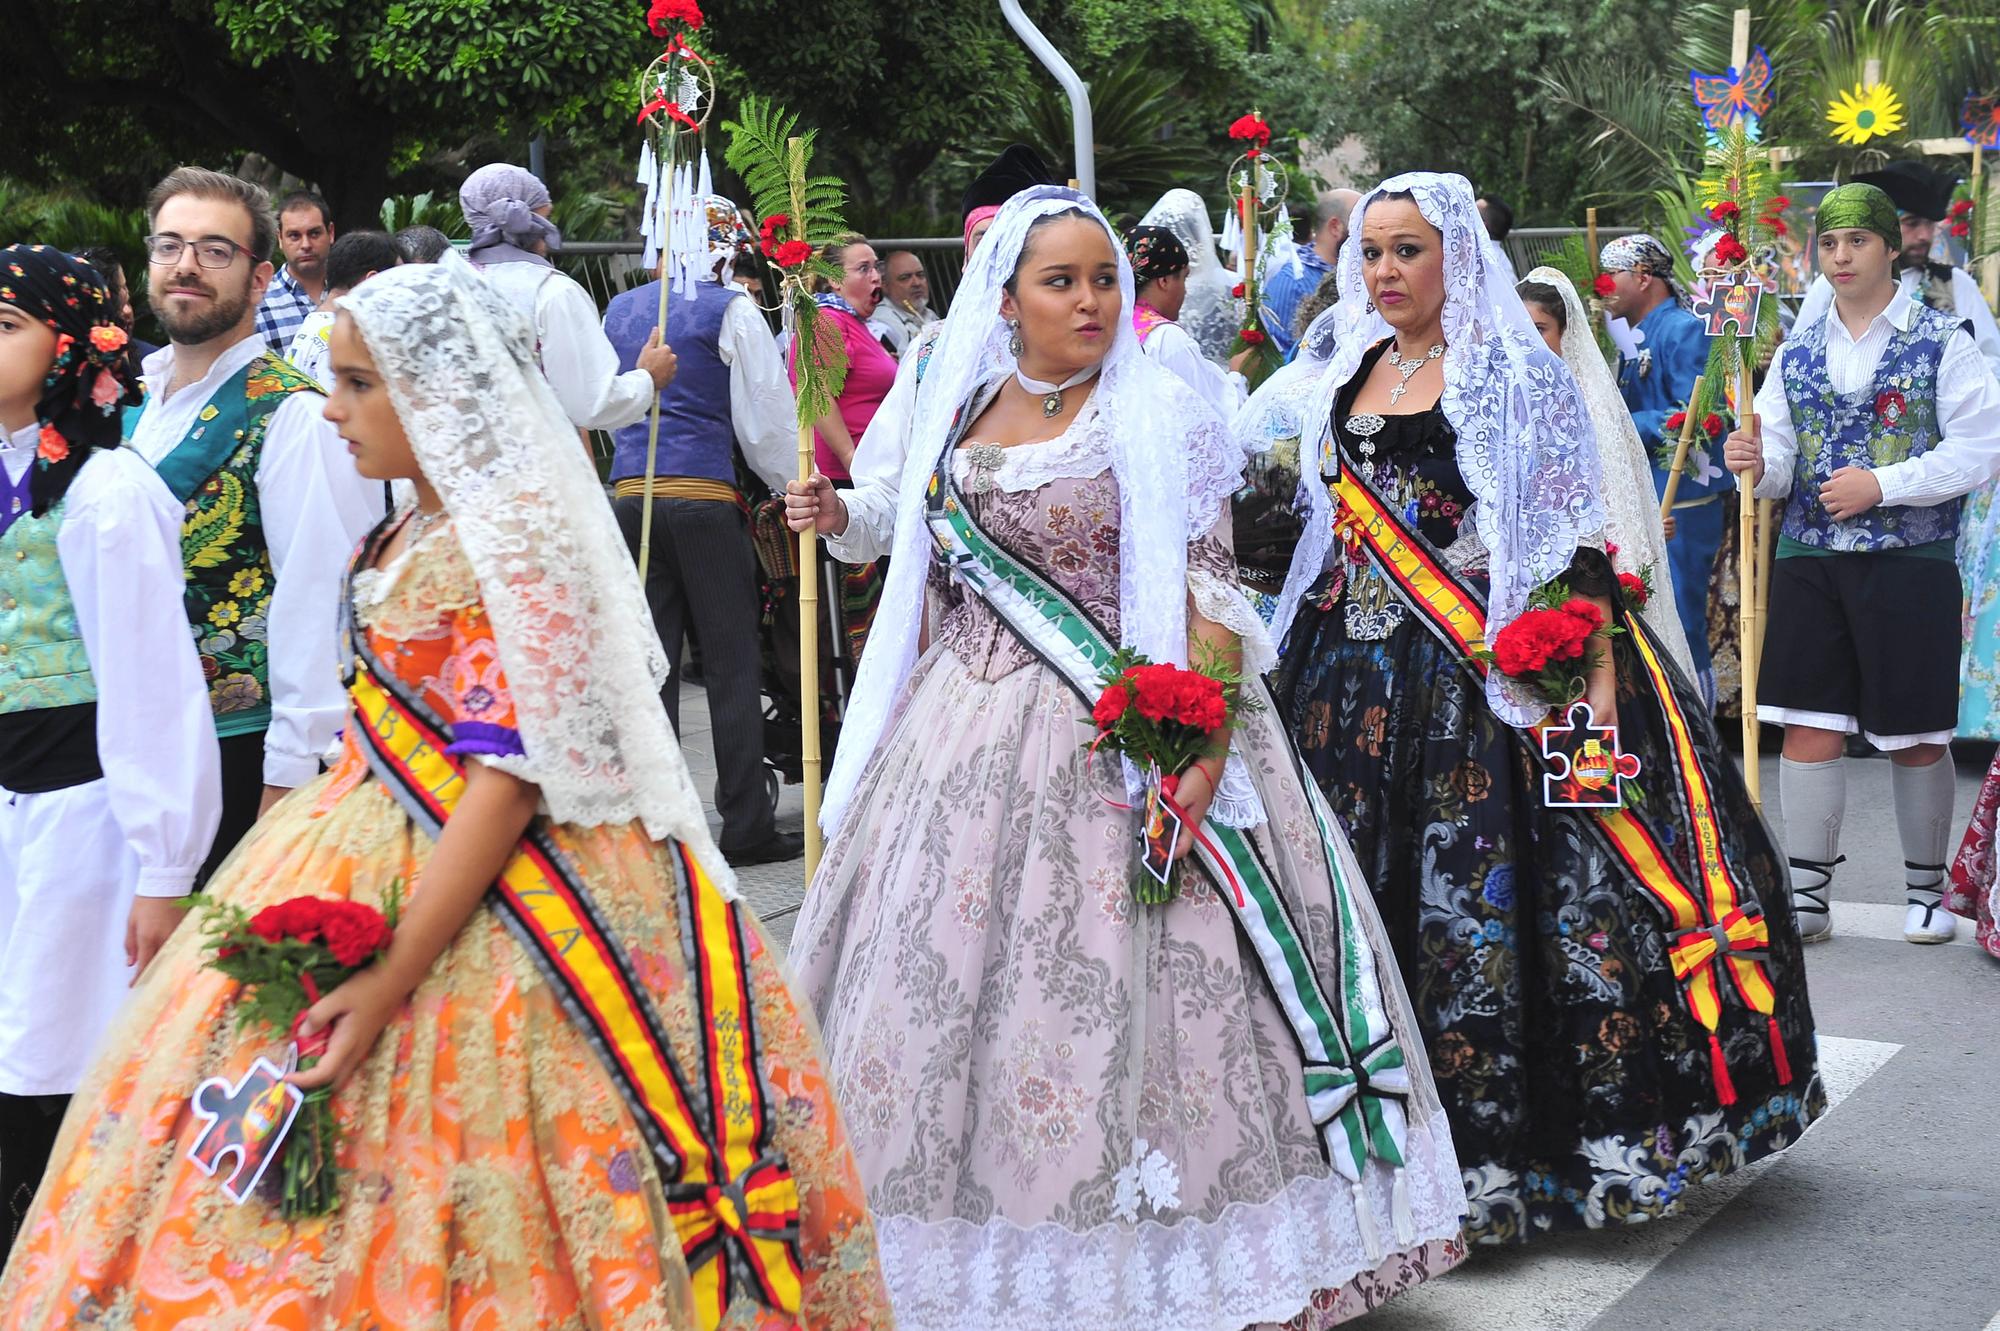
<point>1565,1281</point>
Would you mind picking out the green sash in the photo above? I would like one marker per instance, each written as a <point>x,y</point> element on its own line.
<point>1355,1075</point>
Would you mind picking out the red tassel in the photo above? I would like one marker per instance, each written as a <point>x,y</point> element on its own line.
<point>1725,1090</point>
<point>1778,1058</point>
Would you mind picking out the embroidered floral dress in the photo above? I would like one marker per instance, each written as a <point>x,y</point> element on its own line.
<point>1070,1109</point>
<point>1578,1086</point>
<point>1975,874</point>
<point>491,1175</point>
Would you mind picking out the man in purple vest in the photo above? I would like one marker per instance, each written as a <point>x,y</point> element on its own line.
<point>731,389</point>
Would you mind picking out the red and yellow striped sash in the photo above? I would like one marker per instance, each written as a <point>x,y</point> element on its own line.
<point>731,1197</point>
<point>1712,930</point>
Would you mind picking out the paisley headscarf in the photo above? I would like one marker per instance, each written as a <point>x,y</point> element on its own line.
<point>1637,254</point>
<point>90,381</point>
<point>1864,206</point>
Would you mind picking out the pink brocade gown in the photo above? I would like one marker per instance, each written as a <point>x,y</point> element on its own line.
<point>1974,890</point>
<point>1070,1109</point>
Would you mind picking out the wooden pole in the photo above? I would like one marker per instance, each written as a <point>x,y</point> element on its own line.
<point>1739,41</point>
<point>1748,556</point>
<point>809,758</point>
<point>1680,449</point>
<point>1590,233</point>
<point>1767,528</point>
<point>665,193</point>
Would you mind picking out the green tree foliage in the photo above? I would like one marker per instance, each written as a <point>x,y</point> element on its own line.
<point>357,96</point>
<point>1454,87</point>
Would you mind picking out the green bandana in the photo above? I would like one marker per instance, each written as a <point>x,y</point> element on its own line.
<point>1864,206</point>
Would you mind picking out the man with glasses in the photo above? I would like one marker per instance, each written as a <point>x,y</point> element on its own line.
<point>906,301</point>
<point>305,234</point>
<point>274,505</point>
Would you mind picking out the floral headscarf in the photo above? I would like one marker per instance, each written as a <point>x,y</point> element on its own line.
<point>1155,253</point>
<point>90,380</point>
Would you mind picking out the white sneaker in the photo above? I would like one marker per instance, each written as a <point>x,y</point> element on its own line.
<point>1809,900</point>
<point>1927,921</point>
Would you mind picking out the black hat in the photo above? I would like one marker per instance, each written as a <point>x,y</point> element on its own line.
<point>1012,171</point>
<point>1913,188</point>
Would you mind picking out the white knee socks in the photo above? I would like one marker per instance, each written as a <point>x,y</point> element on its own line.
<point>1923,816</point>
<point>1815,802</point>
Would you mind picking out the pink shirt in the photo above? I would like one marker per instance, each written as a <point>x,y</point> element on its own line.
<point>870,372</point>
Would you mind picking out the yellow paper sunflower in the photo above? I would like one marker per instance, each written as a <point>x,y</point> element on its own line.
<point>1865,113</point>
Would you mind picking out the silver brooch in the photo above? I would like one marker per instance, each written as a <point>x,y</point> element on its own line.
<point>984,461</point>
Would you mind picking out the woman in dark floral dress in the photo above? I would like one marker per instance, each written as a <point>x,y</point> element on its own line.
<point>1583,1088</point>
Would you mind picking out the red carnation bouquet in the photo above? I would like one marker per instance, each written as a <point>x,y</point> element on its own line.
<point>1548,646</point>
<point>1164,717</point>
<point>286,958</point>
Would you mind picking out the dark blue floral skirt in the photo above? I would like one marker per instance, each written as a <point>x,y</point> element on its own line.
<point>1578,1085</point>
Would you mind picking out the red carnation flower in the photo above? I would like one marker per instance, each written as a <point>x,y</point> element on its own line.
<point>1252,337</point>
<point>1961,229</point>
<point>1251,128</point>
<point>1778,204</point>
<point>1635,588</point>
<point>1711,425</point>
<point>300,918</point>
<point>1778,226</point>
<point>354,932</point>
<point>1603,285</point>
<point>1724,212</point>
<point>1578,608</point>
<point>665,13</point>
<point>791,253</point>
<point>1730,250</point>
<point>1111,705</point>
<point>1675,421</point>
<point>1237,291</point>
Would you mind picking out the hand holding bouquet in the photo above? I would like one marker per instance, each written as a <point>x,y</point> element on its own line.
<point>286,956</point>
<point>1549,645</point>
<point>1163,718</point>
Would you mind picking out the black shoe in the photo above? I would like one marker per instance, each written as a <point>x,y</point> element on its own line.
<point>774,849</point>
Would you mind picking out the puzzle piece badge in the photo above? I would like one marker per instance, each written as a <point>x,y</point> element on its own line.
<point>1728,305</point>
<point>1586,770</point>
<point>248,1120</point>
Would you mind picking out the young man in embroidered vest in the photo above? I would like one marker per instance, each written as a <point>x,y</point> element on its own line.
<point>702,574</point>
<point>1656,383</point>
<point>1872,423</point>
<point>1159,276</point>
<point>273,504</point>
<point>109,782</point>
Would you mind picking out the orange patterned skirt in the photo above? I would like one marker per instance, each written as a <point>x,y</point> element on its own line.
<point>492,1177</point>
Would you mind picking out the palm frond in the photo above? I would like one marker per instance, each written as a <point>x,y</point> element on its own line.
<point>775,162</point>
<point>1647,130</point>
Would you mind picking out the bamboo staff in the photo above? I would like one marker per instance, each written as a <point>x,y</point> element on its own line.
<point>1681,448</point>
<point>1590,232</point>
<point>1767,528</point>
<point>1749,614</point>
<point>809,754</point>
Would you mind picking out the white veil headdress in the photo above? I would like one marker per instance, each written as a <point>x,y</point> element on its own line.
<point>1174,459</point>
<point>1631,513</point>
<point>1211,315</point>
<point>575,636</point>
<point>1525,445</point>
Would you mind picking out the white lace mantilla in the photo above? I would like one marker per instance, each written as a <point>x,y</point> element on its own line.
<point>574,634</point>
<point>1256,1262</point>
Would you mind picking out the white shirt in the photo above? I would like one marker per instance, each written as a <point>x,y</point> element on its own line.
<point>1969,303</point>
<point>315,510</point>
<point>877,466</point>
<point>762,410</point>
<point>1967,452</point>
<point>1172,349</point>
<point>577,358</point>
<point>311,352</point>
<point>897,326</point>
<point>120,547</point>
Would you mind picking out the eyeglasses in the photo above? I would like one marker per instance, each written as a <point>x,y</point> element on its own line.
<point>865,270</point>
<point>209,251</point>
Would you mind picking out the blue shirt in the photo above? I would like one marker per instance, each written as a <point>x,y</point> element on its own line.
<point>1658,382</point>
<point>1283,290</point>
<point>284,308</point>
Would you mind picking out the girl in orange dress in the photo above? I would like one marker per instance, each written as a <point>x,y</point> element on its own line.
<point>610,1118</point>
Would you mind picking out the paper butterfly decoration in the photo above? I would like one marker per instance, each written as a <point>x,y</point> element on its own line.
<point>1741,94</point>
<point>1979,117</point>
<point>1586,770</point>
